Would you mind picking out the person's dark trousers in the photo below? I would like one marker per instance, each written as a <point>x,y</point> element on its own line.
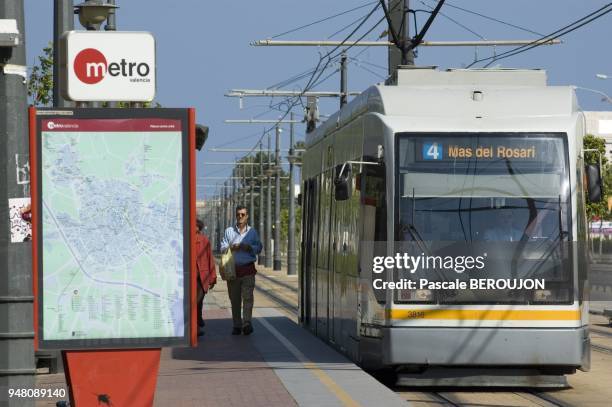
<point>240,292</point>
<point>200,303</point>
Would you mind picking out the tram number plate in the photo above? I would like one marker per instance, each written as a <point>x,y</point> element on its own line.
<point>416,314</point>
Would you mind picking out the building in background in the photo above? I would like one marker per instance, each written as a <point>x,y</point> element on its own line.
<point>600,124</point>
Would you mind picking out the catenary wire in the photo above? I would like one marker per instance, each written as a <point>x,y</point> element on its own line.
<point>323,19</point>
<point>493,19</point>
<point>456,22</point>
<point>554,35</point>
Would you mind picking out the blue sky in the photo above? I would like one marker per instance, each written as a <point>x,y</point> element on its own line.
<point>203,51</point>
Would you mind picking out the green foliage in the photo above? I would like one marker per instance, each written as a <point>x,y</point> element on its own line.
<point>40,83</point>
<point>600,209</point>
<point>245,170</point>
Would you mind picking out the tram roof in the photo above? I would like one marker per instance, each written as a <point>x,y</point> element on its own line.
<point>453,94</point>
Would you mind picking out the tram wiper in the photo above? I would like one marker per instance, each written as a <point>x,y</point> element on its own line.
<point>416,236</point>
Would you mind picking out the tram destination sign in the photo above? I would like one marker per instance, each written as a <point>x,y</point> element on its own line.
<point>112,194</point>
<point>489,148</point>
<point>443,152</point>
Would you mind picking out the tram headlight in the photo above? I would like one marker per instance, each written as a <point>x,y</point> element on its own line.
<point>423,296</point>
<point>542,295</point>
<point>551,296</point>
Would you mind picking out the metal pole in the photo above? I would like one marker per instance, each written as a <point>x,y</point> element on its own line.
<point>111,25</point>
<point>244,186</point>
<point>277,203</point>
<point>63,20</point>
<point>17,366</point>
<point>228,205</point>
<point>234,195</point>
<point>111,21</point>
<point>219,223</point>
<point>291,254</point>
<point>252,197</point>
<point>398,11</point>
<point>343,84</point>
<point>269,212</point>
<point>262,255</point>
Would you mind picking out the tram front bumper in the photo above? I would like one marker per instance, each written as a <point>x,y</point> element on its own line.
<point>486,346</point>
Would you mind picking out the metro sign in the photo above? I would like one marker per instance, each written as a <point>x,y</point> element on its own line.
<point>108,66</point>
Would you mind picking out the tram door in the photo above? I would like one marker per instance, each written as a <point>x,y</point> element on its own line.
<point>323,244</point>
<point>309,217</point>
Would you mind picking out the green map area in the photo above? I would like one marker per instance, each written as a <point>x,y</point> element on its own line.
<point>112,229</point>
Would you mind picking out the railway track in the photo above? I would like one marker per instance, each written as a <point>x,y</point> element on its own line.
<point>285,296</point>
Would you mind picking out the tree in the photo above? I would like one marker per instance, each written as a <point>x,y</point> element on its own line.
<point>40,84</point>
<point>598,209</point>
<point>254,218</point>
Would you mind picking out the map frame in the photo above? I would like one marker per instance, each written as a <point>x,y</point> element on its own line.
<point>186,117</point>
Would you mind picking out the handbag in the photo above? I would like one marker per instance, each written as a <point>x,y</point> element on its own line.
<point>228,267</point>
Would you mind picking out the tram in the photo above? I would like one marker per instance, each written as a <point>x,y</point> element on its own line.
<point>463,157</point>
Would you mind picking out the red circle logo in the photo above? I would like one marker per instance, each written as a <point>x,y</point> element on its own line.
<point>90,66</point>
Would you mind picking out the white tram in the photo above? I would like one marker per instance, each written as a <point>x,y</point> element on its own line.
<point>447,156</point>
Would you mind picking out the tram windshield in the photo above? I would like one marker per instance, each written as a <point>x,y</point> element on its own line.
<point>502,191</point>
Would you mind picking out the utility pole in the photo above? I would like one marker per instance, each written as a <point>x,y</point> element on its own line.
<point>262,255</point>
<point>111,25</point>
<point>17,366</point>
<point>277,222</point>
<point>252,197</point>
<point>343,84</point>
<point>63,13</point>
<point>291,253</point>
<point>227,205</point>
<point>244,187</point>
<point>269,210</point>
<point>399,30</point>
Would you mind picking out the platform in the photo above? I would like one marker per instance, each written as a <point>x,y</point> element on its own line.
<point>280,364</point>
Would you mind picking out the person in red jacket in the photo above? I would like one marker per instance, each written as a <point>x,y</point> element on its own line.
<point>205,267</point>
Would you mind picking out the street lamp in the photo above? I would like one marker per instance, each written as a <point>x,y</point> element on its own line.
<point>605,97</point>
<point>92,13</point>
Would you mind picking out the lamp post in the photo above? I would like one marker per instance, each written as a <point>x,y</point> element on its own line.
<point>277,203</point>
<point>291,254</point>
<point>269,171</point>
<point>605,97</point>
<point>92,13</point>
<point>262,256</point>
<point>17,366</point>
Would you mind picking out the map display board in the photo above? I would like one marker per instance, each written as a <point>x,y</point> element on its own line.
<point>112,227</point>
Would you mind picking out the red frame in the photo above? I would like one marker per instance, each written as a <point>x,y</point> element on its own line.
<point>32,114</point>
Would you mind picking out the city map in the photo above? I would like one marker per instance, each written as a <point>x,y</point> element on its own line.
<point>112,230</point>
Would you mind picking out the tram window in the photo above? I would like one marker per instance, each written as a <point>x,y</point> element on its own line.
<point>374,195</point>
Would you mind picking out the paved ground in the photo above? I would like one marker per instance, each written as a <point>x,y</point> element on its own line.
<point>281,364</point>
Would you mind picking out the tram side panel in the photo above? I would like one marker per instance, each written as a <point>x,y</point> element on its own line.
<point>345,242</point>
<point>310,220</point>
<point>374,225</point>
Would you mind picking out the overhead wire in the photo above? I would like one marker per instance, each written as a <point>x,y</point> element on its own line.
<point>323,19</point>
<point>316,73</point>
<point>455,22</point>
<point>315,77</point>
<point>552,36</point>
<point>357,64</point>
<point>346,27</point>
<point>493,19</point>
